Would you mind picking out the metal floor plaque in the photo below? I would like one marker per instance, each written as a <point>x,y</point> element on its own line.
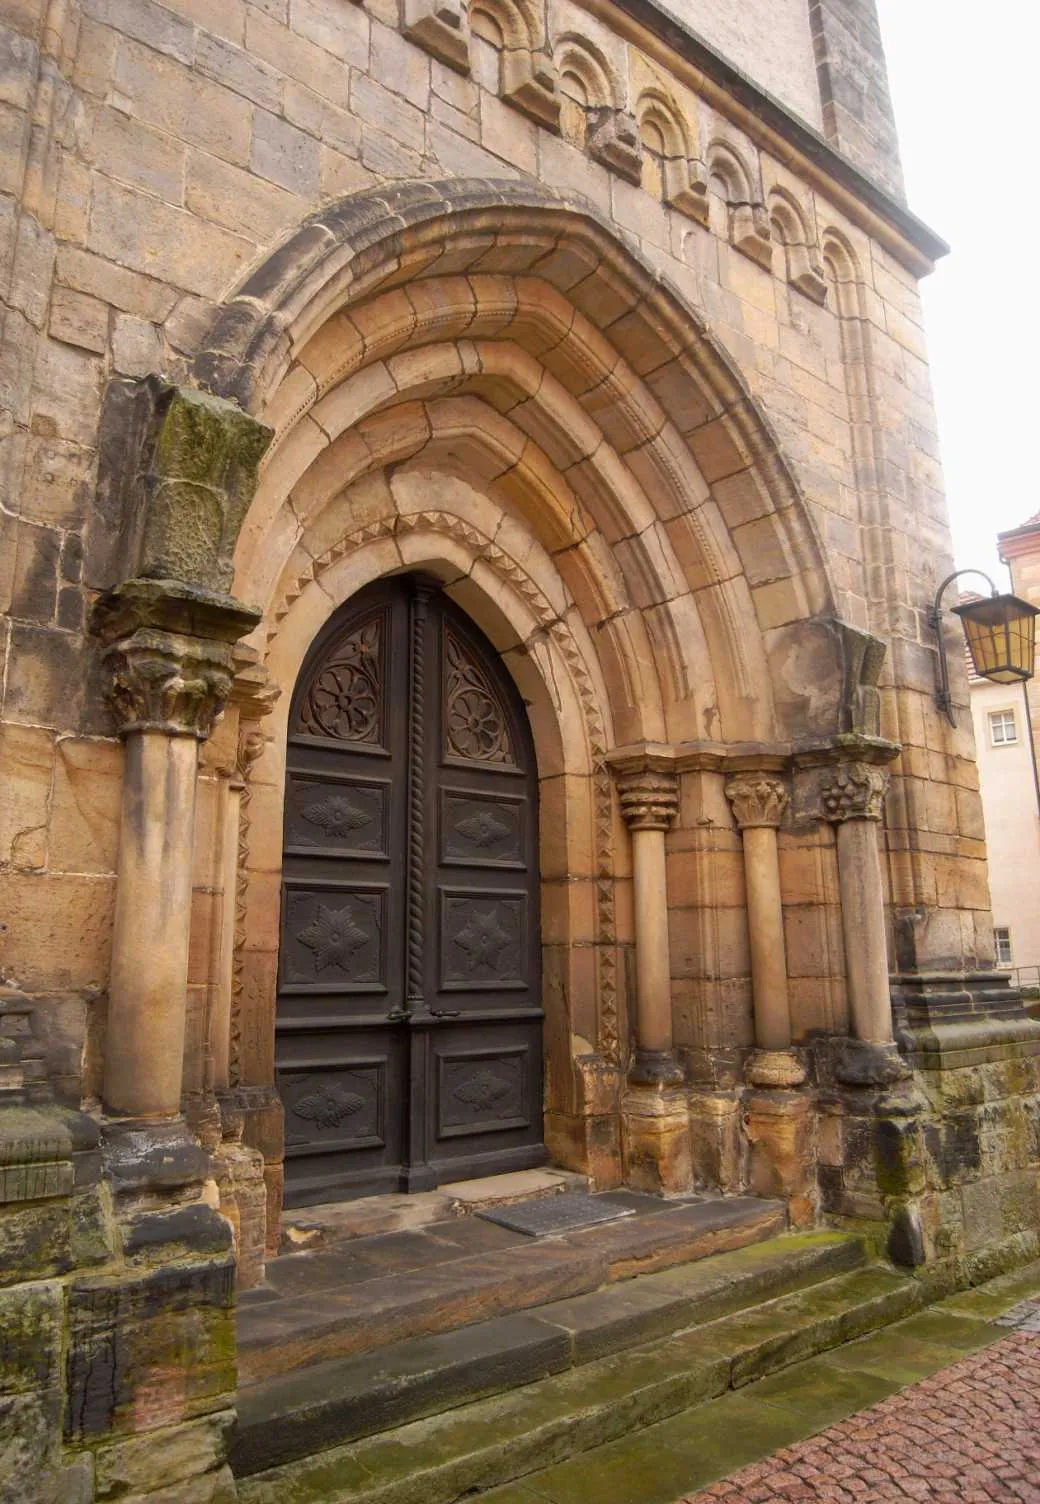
<point>552,1215</point>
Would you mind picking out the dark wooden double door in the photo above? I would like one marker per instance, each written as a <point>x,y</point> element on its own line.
<point>409,1026</point>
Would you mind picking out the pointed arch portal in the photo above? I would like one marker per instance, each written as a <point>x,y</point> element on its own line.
<point>483,382</point>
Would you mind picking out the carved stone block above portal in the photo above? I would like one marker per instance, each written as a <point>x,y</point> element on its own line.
<point>440,27</point>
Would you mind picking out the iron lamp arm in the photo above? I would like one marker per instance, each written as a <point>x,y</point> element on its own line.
<point>942,697</point>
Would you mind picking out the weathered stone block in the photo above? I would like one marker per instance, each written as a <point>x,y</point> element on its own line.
<point>30,1337</point>
<point>164,1458</point>
<point>150,1351</point>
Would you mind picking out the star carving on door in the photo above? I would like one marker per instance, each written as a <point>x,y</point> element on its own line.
<point>482,939</point>
<point>333,936</point>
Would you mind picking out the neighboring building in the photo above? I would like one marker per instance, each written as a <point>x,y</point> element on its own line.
<point>470,510</point>
<point>1006,738</point>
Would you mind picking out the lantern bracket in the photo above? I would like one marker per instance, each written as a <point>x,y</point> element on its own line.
<point>942,694</point>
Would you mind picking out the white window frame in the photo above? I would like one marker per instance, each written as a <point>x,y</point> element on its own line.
<point>1002,936</point>
<point>1000,717</point>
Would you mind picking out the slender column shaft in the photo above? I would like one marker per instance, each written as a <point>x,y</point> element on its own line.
<point>649,802</point>
<point>766,930</point>
<point>863,929</point>
<point>220,1023</point>
<point>144,1048</point>
<point>854,803</point>
<point>759,798</point>
<point>166,686</point>
<point>653,970</point>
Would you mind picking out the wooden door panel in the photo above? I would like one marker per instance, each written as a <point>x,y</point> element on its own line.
<point>335,938</point>
<point>483,940</point>
<point>329,815</point>
<point>478,829</point>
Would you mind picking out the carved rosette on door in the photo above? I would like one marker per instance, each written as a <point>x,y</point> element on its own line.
<point>409,1025</point>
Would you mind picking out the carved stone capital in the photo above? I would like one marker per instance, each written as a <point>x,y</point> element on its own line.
<point>168,652</point>
<point>649,798</point>
<point>757,799</point>
<point>855,792</point>
<point>162,682</point>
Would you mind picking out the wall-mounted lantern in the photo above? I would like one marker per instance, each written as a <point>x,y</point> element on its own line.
<point>1001,633</point>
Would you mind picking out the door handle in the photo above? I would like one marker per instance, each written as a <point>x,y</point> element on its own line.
<point>446,1013</point>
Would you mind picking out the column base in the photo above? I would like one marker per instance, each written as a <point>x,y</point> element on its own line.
<point>153,1154</point>
<point>655,1134</point>
<point>655,1068</point>
<point>718,1145</point>
<point>857,1062</point>
<point>779,1127</point>
<point>775,1069</point>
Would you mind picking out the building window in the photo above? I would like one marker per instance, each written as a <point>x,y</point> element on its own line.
<point>1002,730</point>
<point>1002,935</point>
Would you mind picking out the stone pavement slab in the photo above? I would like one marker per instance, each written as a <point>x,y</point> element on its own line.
<point>970,1434</point>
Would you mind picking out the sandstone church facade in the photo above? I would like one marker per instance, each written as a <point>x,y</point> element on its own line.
<point>470,510</point>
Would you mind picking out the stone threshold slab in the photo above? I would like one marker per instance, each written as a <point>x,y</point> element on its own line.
<point>371,1216</point>
<point>277,1335</point>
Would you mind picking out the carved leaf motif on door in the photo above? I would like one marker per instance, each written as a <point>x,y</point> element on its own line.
<point>336,815</point>
<point>483,1090</point>
<point>328,1106</point>
<point>345,698</point>
<point>483,828</point>
<point>333,937</point>
<point>475,723</point>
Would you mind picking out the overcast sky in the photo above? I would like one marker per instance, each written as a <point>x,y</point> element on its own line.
<point>965,87</point>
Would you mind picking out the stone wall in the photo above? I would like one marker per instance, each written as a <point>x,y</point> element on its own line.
<point>855,103</point>
<point>769,40</point>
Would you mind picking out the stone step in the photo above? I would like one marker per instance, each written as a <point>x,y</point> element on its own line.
<point>292,1415</point>
<point>281,1335</point>
<point>492,1441</point>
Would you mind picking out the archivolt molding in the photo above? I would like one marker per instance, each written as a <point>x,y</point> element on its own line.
<point>387,309</point>
<point>480,546</point>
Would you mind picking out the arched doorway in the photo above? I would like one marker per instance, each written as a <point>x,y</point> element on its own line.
<point>409,1018</point>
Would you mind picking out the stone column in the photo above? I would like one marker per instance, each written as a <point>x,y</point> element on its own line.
<point>649,803</point>
<point>776,1119</point>
<point>852,801</point>
<point>759,799</point>
<point>168,654</point>
<point>655,1113</point>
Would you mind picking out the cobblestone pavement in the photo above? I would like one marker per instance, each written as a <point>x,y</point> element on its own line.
<point>970,1434</point>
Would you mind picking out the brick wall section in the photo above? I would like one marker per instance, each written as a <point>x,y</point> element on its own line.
<point>854,97</point>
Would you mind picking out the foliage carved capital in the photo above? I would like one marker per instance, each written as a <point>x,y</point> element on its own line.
<point>168,652</point>
<point>757,799</point>
<point>856,792</point>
